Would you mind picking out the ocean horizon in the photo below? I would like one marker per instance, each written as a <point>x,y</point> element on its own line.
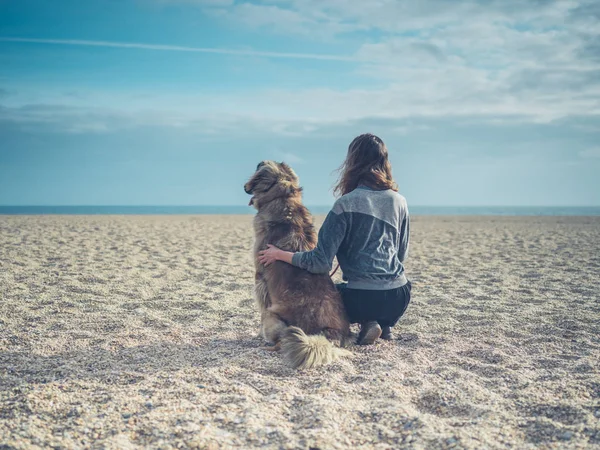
<point>317,210</point>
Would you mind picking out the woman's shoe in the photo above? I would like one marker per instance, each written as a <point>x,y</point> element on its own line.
<point>369,333</point>
<point>386,333</point>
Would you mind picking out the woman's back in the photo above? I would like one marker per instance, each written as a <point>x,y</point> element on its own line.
<point>375,240</point>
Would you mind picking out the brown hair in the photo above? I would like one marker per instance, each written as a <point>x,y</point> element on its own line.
<point>366,163</point>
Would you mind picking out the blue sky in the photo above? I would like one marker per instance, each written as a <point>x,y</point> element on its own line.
<point>173,102</point>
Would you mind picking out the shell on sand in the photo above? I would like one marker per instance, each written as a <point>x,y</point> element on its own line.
<point>140,331</point>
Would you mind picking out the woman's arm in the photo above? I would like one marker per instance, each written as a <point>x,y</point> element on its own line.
<point>320,259</point>
<point>272,254</point>
<point>404,238</point>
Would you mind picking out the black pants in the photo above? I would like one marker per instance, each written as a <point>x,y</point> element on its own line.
<point>385,307</point>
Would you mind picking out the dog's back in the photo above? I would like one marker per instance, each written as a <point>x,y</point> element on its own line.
<point>303,299</point>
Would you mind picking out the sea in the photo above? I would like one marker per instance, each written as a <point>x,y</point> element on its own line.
<point>222,210</point>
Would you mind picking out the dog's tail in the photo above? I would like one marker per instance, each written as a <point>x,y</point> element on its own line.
<point>304,351</point>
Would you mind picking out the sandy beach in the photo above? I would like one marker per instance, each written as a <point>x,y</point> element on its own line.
<point>140,332</point>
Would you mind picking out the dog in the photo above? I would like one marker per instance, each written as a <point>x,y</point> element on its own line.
<point>301,313</point>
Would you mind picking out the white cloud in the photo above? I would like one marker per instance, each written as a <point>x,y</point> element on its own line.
<point>178,48</point>
<point>417,93</point>
<point>392,16</point>
<point>529,61</point>
<point>538,59</point>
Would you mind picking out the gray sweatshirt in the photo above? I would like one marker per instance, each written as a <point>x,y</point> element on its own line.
<point>368,231</point>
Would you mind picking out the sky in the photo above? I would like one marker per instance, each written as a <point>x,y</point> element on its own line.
<point>174,102</point>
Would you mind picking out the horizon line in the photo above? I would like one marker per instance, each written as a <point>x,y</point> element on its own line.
<point>246,206</point>
<point>179,48</point>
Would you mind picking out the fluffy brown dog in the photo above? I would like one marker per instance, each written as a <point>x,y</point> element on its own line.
<point>301,312</point>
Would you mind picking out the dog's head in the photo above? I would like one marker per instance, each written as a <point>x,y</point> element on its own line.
<point>271,180</point>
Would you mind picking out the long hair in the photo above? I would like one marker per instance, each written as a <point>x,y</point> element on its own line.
<point>366,163</point>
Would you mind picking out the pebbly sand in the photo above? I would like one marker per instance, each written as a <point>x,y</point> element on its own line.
<point>135,332</point>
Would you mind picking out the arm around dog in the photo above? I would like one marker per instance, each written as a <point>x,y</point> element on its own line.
<point>331,235</point>
<point>404,237</point>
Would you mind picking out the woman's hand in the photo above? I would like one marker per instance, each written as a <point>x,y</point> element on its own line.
<point>270,255</point>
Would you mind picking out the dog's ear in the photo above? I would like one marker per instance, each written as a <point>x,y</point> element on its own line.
<point>288,170</point>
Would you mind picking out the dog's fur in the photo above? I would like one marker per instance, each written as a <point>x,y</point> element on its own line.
<point>301,312</point>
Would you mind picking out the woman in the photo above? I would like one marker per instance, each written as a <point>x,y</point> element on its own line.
<point>368,230</point>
